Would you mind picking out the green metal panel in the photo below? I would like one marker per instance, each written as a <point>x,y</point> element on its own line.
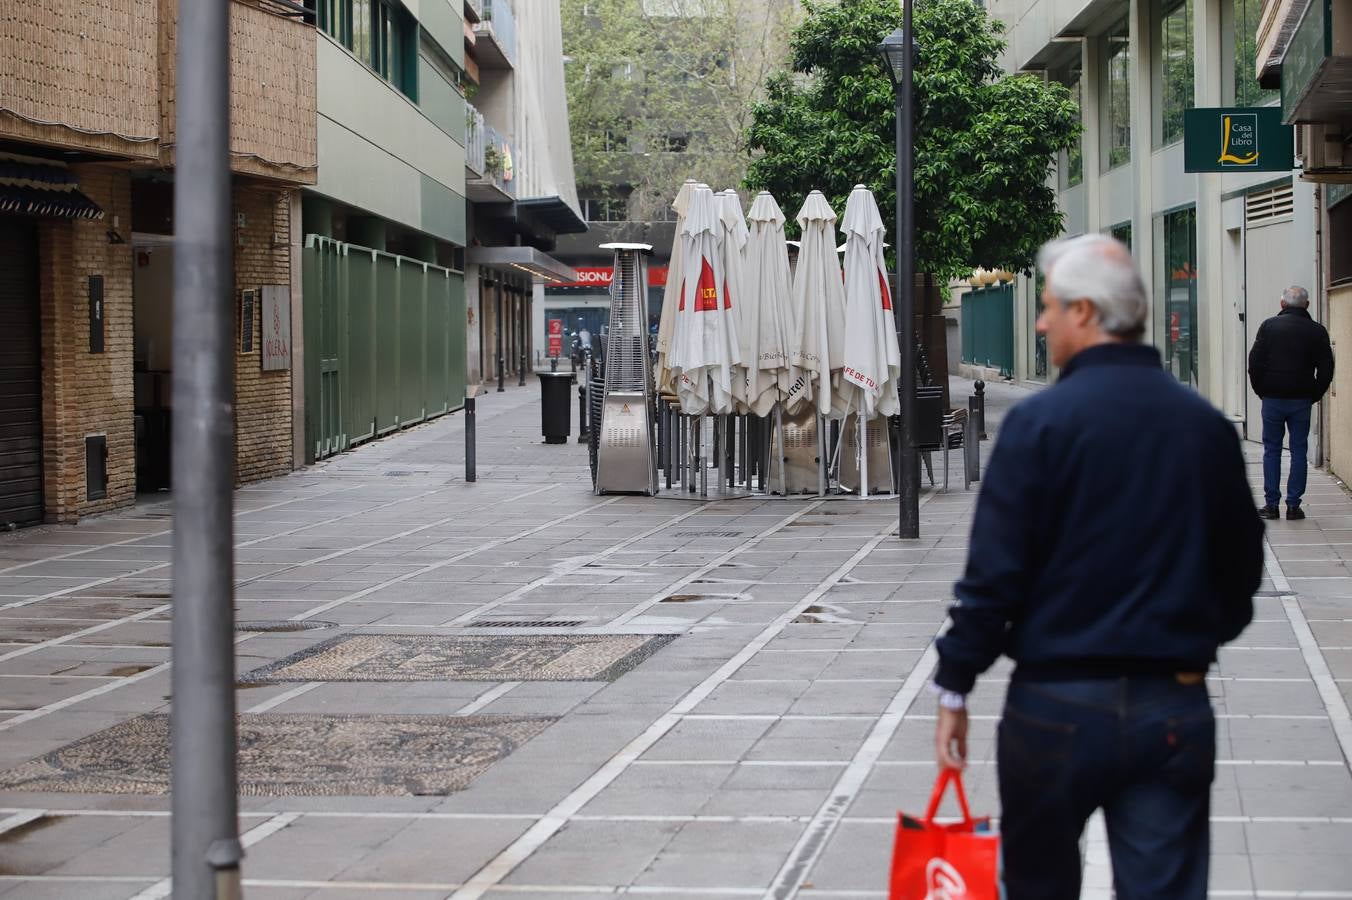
<point>443,211</point>
<point>386,327</point>
<point>436,387</point>
<point>412,325</point>
<point>457,355</point>
<point>440,102</point>
<point>988,328</point>
<point>389,339</point>
<point>359,340</point>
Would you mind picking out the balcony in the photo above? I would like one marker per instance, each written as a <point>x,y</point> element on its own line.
<point>272,92</point>
<point>490,168</point>
<point>473,11</point>
<point>495,36</point>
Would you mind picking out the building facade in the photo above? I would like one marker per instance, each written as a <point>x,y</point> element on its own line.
<point>86,234</point>
<point>384,223</point>
<point>1218,248</point>
<point>520,182</point>
<point>1305,55</point>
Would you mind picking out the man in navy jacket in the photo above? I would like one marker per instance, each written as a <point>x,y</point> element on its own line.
<point>1115,547</point>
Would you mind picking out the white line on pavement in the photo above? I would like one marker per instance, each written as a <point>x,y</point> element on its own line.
<point>569,568</point>
<point>283,697</point>
<point>1334,703</point>
<point>162,889</point>
<point>624,618</point>
<point>486,698</point>
<point>20,819</point>
<point>492,874</point>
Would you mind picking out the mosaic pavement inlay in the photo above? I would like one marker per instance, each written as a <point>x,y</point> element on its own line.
<point>293,755</point>
<point>420,657</point>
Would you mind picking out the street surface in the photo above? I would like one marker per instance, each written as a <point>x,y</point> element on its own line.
<point>515,687</point>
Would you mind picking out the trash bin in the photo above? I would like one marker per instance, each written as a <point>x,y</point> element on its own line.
<point>556,405</point>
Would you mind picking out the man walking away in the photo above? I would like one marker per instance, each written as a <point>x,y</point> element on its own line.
<point>1290,368</point>
<point>1115,547</point>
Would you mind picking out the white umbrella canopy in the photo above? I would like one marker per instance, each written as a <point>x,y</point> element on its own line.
<point>819,312</point>
<point>732,245</point>
<point>767,324</point>
<point>704,346</point>
<point>671,296</point>
<point>872,360</point>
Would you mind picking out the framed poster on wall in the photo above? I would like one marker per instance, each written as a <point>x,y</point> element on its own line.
<point>248,299</point>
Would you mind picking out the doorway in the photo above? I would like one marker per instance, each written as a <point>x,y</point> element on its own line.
<point>20,375</point>
<point>152,359</point>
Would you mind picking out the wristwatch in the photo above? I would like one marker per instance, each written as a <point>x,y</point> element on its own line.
<point>949,699</point>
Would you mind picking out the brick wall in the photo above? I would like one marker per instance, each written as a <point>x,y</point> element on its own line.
<point>86,393</point>
<point>263,439</point>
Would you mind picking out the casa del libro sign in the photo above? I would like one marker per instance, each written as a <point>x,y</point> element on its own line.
<point>1237,139</point>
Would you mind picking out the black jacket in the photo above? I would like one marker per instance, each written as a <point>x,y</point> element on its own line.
<point>1291,357</point>
<point>1115,532</point>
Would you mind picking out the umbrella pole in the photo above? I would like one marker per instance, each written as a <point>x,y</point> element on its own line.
<point>779,449</point>
<point>700,460</point>
<point>863,455</point>
<point>823,446</point>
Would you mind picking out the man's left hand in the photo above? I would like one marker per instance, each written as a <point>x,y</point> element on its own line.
<point>950,738</point>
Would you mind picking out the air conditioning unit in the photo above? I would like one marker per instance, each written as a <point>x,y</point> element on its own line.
<point>1325,153</point>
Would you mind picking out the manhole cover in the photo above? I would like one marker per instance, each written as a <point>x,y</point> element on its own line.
<point>524,623</point>
<point>293,755</point>
<point>464,657</point>
<point>284,625</point>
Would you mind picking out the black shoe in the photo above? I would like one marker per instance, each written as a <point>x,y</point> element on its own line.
<point>1269,512</point>
<point>1294,513</point>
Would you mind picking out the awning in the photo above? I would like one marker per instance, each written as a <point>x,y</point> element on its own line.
<point>33,187</point>
<point>555,213</point>
<point>541,267</point>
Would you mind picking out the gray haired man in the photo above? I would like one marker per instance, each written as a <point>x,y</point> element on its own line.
<point>1290,368</point>
<point>1110,580</point>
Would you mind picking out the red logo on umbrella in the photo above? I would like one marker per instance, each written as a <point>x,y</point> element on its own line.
<point>706,291</point>
<point>882,286</point>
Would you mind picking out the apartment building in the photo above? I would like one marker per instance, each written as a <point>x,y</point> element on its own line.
<point>1217,248</point>
<point>86,232</point>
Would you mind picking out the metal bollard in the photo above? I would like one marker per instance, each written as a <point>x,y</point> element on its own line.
<point>470,474</point>
<point>582,431</point>
<point>971,450</point>
<point>981,409</point>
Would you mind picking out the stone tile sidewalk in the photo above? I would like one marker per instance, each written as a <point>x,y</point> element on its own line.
<point>716,699</point>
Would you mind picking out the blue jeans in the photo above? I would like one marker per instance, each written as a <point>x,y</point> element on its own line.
<point>1291,417</point>
<point>1142,749</point>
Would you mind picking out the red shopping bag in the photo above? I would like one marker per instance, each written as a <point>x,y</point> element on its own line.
<point>945,862</point>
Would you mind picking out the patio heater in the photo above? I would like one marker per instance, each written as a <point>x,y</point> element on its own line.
<point>626,460</point>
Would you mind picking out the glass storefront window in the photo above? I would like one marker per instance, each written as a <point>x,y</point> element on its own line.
<point>1122,232</point>
<point>1117,133</point>
<point>1179,294</point>
<point>1247,91</point>
<point>1176,72</point>
<point>1039,367</point>
<point>1072,160</point>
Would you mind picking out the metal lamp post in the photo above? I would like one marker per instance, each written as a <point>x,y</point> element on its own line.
<point>900,67</point>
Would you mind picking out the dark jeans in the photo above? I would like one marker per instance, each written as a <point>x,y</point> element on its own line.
<point>1142,749</point>
<point>1291,417</point>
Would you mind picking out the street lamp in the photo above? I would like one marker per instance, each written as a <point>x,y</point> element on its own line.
<point>899,62</point>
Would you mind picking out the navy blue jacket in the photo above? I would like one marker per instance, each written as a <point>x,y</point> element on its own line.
<point>1115,532</point>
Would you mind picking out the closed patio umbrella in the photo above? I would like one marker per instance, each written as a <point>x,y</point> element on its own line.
<point>704,347</point>
<point>671,296</point>
<point>872,360</point>
<point>767,322</point>
<point>819,312</point>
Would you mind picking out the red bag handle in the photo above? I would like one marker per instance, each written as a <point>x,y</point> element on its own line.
<point>948,776</point>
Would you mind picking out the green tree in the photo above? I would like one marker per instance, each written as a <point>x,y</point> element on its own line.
<point>985,144</point>
<point>662,90</point>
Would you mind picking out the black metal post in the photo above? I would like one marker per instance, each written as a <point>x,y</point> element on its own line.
<point>909,523</point>
<point>471,440</point>
<point>525,331</point>
<point>205,851</point>
<point>502,327</point>
<point>981,409</point>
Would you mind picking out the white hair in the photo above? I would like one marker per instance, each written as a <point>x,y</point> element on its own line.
<point>1296,296</point>
<point>1097,268</point>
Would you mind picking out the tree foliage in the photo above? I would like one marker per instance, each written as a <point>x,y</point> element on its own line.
<point>984,143</point>
<point>662,90</point>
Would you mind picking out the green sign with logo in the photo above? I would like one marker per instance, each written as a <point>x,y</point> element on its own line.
<point>1237,139</point>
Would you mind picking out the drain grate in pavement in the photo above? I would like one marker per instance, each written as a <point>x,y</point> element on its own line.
<point>527,623</point>
<point>706,534</point>
<point>293,755</point>
<point>1274,593</point>
<point>464,657</point>
<point>284,625</point>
